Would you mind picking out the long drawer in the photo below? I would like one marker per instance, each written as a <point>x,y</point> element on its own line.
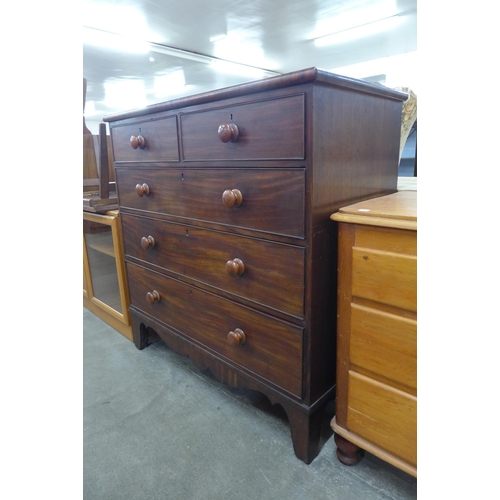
<point>159,138</point>
<point>385,277</point>
<point>261,271</point>
<point>383,415</point>
<point>385,345</point>
<point>261,130</point>
<point>267,347</point>
<point>262,199</point>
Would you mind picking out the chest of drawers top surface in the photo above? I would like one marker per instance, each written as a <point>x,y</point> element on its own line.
<point>398,210</point>
<point>290,80</point>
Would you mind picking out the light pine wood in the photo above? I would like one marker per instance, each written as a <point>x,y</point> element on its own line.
<point>386,239</point>
<point>120,321</point>
<point>385,277</point>
<point>373,449</point>
<point>377,331</point>
<point>383,415</point>
<point>397,210</point>
<point>401,205</point>
<point>385,345</point>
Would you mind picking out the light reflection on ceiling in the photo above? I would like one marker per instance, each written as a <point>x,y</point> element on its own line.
<point>143,52</point>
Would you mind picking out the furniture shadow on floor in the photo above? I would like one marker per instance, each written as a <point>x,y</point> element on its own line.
<point>273,413</point>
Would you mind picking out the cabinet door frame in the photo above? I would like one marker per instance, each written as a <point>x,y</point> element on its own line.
<point>89,299</point>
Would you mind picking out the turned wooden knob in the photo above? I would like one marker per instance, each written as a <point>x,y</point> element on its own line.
<point>235,267</point>
<point>237,337</point>
<point>153,297</point>
<point>142,189</point>
<point>148,242</point>
<point>137,141</point>
<point>228,132</point>
<point>232,198</point>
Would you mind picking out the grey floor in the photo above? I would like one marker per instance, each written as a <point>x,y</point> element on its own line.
<point>155,427</point>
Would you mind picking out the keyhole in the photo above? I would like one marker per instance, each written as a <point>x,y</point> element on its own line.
<point>187,232</point>
<point>231,116</point>
<point>182,177</point>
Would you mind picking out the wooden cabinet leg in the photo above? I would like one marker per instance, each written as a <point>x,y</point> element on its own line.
<point>347,452</point>
<point>143,335</point>
<point>140,335</point>
<point>306,432</point>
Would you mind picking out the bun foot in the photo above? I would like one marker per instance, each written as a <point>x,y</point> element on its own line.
<point>347,452</point>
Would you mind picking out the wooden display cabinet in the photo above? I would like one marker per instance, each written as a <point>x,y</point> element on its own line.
<point>105,290</point>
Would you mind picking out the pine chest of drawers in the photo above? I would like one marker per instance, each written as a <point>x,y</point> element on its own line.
<point>225,199</point>
<point>377,331</point>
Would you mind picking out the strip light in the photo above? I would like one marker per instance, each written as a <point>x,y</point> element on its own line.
<point>358,31</point>
<point>113,41</point>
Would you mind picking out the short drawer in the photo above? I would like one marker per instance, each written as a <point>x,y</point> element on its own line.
<point>385,345</point>
<point>159,141</point>
<point>261,271</point>
<point>383,415</point>
<point>268,347</point>
<point>261,130</point>
<point>270,200</point>
<point>385,277</point>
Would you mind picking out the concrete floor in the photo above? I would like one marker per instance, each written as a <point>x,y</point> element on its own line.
<point>155,427</point>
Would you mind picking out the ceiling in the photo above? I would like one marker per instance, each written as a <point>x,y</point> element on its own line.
<point>142,52</point>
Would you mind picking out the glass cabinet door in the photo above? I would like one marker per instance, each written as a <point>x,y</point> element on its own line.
<point>102,264</point>
<point>104,281</point>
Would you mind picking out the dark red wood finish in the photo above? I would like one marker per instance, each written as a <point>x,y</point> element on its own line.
<point>307,143</point>
<point>273,273</point>
<point>273,201</point>
<point>272,351</point>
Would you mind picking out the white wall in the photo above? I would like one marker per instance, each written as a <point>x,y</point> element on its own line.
<point>400,70</point>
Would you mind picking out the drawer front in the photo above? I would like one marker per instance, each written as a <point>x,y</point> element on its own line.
<point>267,130</point>
<point>267,273</point>
<point>271,200</point>
<point>384,344</point>
<point>387,239</point>
<point>385,277</point>
<point>384,416</point>
<point>272,349</point>
<point>160,141</point>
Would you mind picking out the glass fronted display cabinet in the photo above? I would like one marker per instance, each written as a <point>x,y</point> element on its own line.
<point>105,290</point>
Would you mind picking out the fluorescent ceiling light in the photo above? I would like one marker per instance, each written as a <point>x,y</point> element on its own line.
<point>112,41</point>
<point>171,83</point>
<point>124,94</point>
<point>358,31</point>
<point>183,54</point>
<point>217,38</point>
<point>114,17</point>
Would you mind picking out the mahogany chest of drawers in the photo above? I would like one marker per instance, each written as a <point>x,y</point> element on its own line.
<point>225,199</point>
<point>376,406</point>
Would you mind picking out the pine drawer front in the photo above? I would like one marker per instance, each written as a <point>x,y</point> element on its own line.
<point>265,272</point>
<point>272,349</point>
<point>272,201</point>
<point>266,130</point>
<point>383,415</point>
<point>385,277</point>
<point>384,345</point>
<point>159,141</point>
